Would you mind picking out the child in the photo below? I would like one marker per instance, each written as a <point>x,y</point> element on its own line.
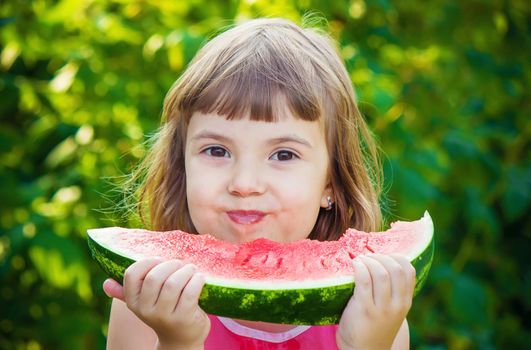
<point>261,137</point>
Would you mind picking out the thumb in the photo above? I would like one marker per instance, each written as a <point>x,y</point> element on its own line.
<point>113,289</point>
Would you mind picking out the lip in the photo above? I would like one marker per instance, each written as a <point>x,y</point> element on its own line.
<point>246,217</point>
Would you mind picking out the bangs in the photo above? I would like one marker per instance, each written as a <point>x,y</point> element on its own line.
<point>256,80</point>
<point>256,96</point>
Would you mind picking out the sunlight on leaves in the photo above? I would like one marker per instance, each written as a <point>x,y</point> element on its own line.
<point>62,153</point>
<point>9,54</point>
<point>51,265</point>
<point>64,78</point>
<point>67,194</point>
<point>85,134</point>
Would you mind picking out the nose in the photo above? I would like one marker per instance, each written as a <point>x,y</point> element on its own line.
<point>246,180</point>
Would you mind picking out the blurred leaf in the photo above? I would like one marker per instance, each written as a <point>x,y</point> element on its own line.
<point>469,304</point>
<point>59,262</point>
<point>62,153</point>
<point>517,197</point>
<point>6,20</point>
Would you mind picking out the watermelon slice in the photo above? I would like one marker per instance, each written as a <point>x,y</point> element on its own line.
<point>303,282</point>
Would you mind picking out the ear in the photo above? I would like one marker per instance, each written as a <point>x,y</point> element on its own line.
<point>327,193</point>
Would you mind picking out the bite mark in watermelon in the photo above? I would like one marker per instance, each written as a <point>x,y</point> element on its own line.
<point>303,282</point>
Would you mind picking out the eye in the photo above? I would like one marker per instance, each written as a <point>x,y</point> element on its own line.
<point>284,155</point>
<point>216,151</point>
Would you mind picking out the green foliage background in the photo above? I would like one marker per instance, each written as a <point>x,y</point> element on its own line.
<point>445,86</point>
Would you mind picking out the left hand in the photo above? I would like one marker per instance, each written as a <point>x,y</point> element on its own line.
<point>381,300</point>
<point>164,295</point>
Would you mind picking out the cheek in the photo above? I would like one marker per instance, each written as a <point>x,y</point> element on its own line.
<point>204,188</point>
<point>199,199</point>
<point>299,215</point>
<point>303,188</point>
<point>197,189</point>
<point>300,198</point>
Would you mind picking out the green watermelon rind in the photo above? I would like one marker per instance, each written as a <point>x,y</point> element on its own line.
<point>305,306</point>
<point>422,265</point>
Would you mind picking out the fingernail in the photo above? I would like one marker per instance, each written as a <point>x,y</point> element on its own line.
<point>200,276</point>
<point>106,283</point>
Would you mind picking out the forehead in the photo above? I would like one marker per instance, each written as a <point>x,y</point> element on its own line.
<point>247,128</point>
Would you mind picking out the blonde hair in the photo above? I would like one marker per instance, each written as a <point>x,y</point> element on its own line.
<point>242,73</point>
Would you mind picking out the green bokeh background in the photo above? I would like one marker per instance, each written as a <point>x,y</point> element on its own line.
<point>445,85</point>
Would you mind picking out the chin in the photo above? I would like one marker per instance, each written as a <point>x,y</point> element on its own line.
<point>248,238</point>
<point>244,236</point>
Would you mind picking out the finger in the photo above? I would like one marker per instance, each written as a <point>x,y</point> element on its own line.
<point>113,289</point>
<point>188,303</point>
<point>134,277</point>
<point>409,274</point>
<point>399,282</point>
<point>362,279</point>
<point>155,279</point>
<point>172,289</point>
<point>381,282</point>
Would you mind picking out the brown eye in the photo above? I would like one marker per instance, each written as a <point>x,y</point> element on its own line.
<point>283,155</point>
<point>217,152</point>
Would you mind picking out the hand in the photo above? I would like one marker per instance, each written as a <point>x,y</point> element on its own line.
<point>381,300</point>
<point>165,294</point>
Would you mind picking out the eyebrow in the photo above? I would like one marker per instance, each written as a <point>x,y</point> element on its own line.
<point>206,134</point>
<point>290,138</point>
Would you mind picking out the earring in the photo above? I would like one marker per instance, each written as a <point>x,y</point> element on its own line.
<point>330,203</point>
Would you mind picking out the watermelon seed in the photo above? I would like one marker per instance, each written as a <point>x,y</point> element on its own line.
<point>351,255</point>
<point>369,248</point>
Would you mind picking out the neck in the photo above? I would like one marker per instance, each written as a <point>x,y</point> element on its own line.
<point>266,327</point>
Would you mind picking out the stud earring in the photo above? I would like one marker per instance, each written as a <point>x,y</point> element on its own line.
<point>330,203</point>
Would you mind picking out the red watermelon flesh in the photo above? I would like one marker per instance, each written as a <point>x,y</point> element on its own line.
<point>263,260</point>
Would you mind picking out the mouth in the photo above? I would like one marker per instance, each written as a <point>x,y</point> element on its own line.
<point>246,217</point>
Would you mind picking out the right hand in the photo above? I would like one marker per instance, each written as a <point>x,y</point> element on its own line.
<point>165,295</point>
<point>377,310</point>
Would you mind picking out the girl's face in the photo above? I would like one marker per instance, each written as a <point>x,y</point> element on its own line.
<point>251,179</point>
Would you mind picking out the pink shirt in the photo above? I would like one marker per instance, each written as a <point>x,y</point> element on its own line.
<point>227,334</point>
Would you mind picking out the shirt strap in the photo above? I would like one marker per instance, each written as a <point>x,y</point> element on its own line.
<point>244,331</point>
